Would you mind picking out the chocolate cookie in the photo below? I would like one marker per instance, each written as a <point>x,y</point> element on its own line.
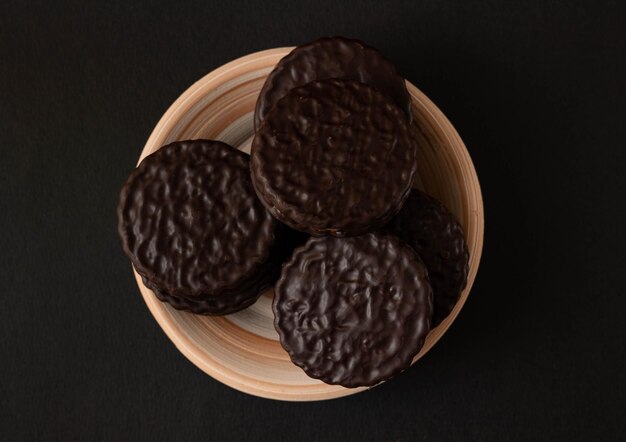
<point>332,57</point>
<point>334,157</point>
<point>353,311</point>
<point>435,234</point>
<point>191,223</point>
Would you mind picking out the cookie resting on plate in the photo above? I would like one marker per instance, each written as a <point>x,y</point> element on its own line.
<point>192,225</point>
<point>434,233</point>
<point>334,157</point>
<point>332,57</point>
<point>353,311</point>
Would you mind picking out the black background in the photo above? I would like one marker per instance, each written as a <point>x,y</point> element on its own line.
<point>536,90</point>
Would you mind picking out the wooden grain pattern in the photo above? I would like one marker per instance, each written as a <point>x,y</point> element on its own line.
<point>242,350</point>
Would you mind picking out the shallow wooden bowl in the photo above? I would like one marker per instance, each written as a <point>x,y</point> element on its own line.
<point>242,350</point>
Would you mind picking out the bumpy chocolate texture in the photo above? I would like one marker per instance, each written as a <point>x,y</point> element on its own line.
<point>334,57</point>
<point>224,305</point>
<point>334,157</point>
<point>286,242</point>
<point>353,311</point>
<point>435,234</point>
<point>191,223</point>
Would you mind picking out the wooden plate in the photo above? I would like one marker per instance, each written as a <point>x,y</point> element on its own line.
<point>242,350</point>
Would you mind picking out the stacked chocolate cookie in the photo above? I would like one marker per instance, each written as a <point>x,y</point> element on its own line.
<point>331,170</point>
<point>194,229</point>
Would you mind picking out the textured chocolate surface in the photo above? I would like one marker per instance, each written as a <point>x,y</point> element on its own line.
<point>246,294</point>
<point>436,235</point>
<point>353,311</point>
<point>191,223</point>
<point>334,157</point>
<point>332,57</point>
<point>224,305</point>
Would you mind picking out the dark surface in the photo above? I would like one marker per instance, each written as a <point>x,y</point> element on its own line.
<point>360,312</point>
<point>192,225</point>
<point>536,89</point>
<point>434,233</point>
<point>334,157</point>
<point>332,57</point>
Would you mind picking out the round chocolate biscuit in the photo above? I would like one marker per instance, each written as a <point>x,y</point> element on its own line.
<point>353,311</point>
<point>332,57</point>
<point>191,222</point>
<point>334,157</point>
<point>435,234</point>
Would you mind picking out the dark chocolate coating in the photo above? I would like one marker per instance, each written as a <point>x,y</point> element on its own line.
<point>332,57</point>
<point>334,157</point>
<point>353,311</point>
<point>287,240</point>
<point>224,305</point>
<point>436,235</point>
<point>191,223</point>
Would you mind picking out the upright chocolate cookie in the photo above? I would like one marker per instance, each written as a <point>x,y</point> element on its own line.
<point>332,57</point>
<point>353,311</point>
<point>435,234</point>
<point>191,223</point>
<point>334,157</point>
